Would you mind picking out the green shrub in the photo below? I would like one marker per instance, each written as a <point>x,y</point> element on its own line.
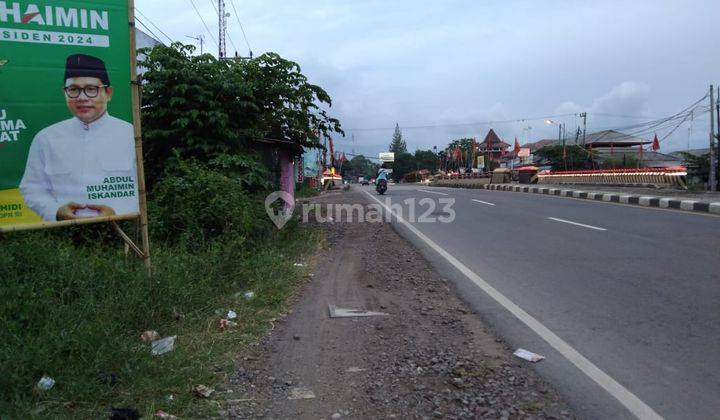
<point>74,312</point>
<point>192,204</point>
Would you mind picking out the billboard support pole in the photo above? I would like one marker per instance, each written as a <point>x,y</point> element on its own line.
<point>138,143</point>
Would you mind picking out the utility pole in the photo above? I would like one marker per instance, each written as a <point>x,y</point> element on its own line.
<point>222,29</point>
<point>717,129</point>
<point>200,39</point>
<point>584,117</point>
<point>713,151</point>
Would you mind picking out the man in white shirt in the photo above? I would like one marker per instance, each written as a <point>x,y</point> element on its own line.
<point>84,166</point>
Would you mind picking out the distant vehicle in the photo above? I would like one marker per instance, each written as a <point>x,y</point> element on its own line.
<point>365,182</point>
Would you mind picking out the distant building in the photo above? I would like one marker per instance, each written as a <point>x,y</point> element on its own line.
<point>493,146</point>
<point>694,152</point>
<point>143,40</point>
<point>534,147</point>
<point>615,146</point>
<point>612,138</point>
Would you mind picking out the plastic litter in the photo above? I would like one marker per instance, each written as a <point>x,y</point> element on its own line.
<point>225,324</point>
<point>301,394</point>
<point>163,346</point>
<point>45,383</point>
<point>249,295</point>
<point>299,265</point>
<point>528,355</point>
<point>232,314</point>
<point>163,415</point>
<point>203,391</point>
<point>149,335</point>
<point>336,312</point>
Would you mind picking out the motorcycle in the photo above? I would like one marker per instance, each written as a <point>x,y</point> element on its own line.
<point>381,186</point>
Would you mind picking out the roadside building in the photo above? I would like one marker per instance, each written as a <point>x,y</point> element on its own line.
<point>493,147</point>
<point>535,146</point>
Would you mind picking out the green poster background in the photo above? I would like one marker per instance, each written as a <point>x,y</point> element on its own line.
<point>31,78</point>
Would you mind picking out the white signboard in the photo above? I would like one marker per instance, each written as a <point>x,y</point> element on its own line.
<point>387,157</point>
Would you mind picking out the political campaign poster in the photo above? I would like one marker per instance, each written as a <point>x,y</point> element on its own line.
<point>67,144</point>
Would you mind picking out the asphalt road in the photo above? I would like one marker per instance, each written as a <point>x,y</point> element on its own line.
<point>634,291</point>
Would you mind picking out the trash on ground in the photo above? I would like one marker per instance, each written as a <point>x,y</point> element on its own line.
<point>336,312</point>
<point>226,325</point>
<point>299,265</point>
<point>301,394</point>
<point>528,355</point>
<point>232,314</point>
<point>355,369</point>
<point>124,414</point>
<point>163,415</point>
<point>163,346</point>
<point>203,391</point>
<point>249,295</point>
<point>45,383</point>
<point>149,335</point>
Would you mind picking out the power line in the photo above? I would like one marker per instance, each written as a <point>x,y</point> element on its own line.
<point>146,27</point>
<point>212,3</point>
<point>462,124</point>
<point>204,24</point>
<point>237,17</point>
<point>154,25</point>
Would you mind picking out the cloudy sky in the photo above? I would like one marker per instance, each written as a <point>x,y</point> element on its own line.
<point>448,69</point>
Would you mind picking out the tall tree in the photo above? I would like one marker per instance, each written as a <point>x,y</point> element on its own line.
<point>398,145</point>
<point>426,159</point>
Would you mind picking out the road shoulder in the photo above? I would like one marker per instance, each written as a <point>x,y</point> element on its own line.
<point>431,356</point>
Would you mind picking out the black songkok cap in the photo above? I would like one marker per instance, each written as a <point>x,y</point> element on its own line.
<point>81,65</point>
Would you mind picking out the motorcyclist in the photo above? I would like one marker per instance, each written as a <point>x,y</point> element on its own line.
<point>382,174</point>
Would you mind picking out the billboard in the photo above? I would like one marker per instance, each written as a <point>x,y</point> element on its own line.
<point>67,143</point>
<point>387,157</point>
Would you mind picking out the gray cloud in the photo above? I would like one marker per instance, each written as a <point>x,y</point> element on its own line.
<point>428,63</point>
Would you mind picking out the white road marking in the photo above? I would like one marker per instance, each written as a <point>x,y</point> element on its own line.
<point>636,406</point>
<point>576,223</point>
<point>433,192</point>
<point>484,202</point>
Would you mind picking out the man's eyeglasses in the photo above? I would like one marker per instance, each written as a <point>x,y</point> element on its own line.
<point>74,92</point>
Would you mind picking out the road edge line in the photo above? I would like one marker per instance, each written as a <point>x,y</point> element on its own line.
<point>629,400</point>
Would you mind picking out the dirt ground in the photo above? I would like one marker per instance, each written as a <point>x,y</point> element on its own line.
<point>430,357</point>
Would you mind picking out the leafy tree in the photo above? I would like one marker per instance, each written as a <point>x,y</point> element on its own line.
<point>398,145</point>
<point>698,165</point>
<point>576,157</point>
<point>426,159</point>
<point>359,166</point>
<point>202,108</point>
<point>466,149</point>
<point>404,164</point>
<point>620,162</point>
